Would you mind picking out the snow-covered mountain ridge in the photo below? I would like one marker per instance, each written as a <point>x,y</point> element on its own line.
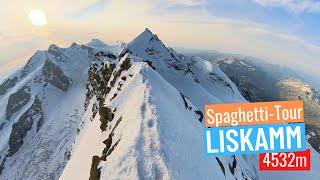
<point>130,111</point>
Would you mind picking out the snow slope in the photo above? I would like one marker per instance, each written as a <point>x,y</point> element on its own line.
<point>155,136</point>
<point>128,111</point>
<point>155,131</point>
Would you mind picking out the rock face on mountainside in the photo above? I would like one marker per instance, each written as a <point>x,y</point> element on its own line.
<point>43,105</point>
<point>292,88</point>
<point>253,81</point>
<point>97,112</point>
<point>313,136</point>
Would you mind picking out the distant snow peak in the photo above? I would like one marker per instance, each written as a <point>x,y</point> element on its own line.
<point>144,37</point>
<point>97,43</point>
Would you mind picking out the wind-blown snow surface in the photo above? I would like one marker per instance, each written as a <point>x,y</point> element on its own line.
<point>139,116</point>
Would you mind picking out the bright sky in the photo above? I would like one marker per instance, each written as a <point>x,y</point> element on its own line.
<point>285,32</point>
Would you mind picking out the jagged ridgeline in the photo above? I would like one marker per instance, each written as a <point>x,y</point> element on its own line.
<point>126,111</point>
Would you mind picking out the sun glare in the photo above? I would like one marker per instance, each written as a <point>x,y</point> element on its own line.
<point>37,17</point>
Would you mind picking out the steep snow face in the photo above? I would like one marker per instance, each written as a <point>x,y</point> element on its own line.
<point>115,48</point>
<point>43,105</point>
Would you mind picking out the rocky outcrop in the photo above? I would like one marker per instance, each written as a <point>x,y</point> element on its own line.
<point>17,100</point>
<point>54,75</point>
<point>254,83</point>
<point>106,115</point>
<point>313,136</point>
<point>56,52</point>
<point>94,171</point>
<point>98,77</point>
<point>24,124</point>
<point>6,85</point>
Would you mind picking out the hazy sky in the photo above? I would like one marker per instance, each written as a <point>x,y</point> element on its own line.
<point>280,31</point>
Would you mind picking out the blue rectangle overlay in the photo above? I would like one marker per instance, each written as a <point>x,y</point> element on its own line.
<point>255,139</point>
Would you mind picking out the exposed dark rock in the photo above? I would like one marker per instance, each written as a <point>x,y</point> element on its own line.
<point>94,171</point>
<point>123,78</point>
<point>106,115</point>
<point>111,56</point>
<point>221,166</point>
<point>196,80</point>
<point>185,102</point>
<point>24,124</point>
<point>115,77</point>
<point>154,38</point>
<point>126,64</point>
<point>94,110</point>
<point>54,75</point>
<point>233,166</point>
<point>200,115</point>
<point>177,65</point>
<point>1,125</point>
<point>108,142</point>
<point>6,85</point>
<point>56,52</point>
<point>2,164</point>
<point>219,79</point>
<point>17,100</point>
<point>114,96</point>
<point>112,148</point>
<point>313,136</point>
<point>120,84</point>
<point>150,51</point>
<point>67,155</point>
<point>40,123</point>
<point>150,64</point>
<point>98,79</point>
<point>124,52</point>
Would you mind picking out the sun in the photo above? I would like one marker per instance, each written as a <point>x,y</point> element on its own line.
<point>37,17</point>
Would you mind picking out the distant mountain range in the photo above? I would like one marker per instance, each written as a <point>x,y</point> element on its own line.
<point>258,82</point>
<point>277,70</point>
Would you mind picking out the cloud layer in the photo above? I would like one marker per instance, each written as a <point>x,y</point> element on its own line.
<point>298,6</point>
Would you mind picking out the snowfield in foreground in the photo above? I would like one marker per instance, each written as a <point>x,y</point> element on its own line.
<point>129,111</point>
